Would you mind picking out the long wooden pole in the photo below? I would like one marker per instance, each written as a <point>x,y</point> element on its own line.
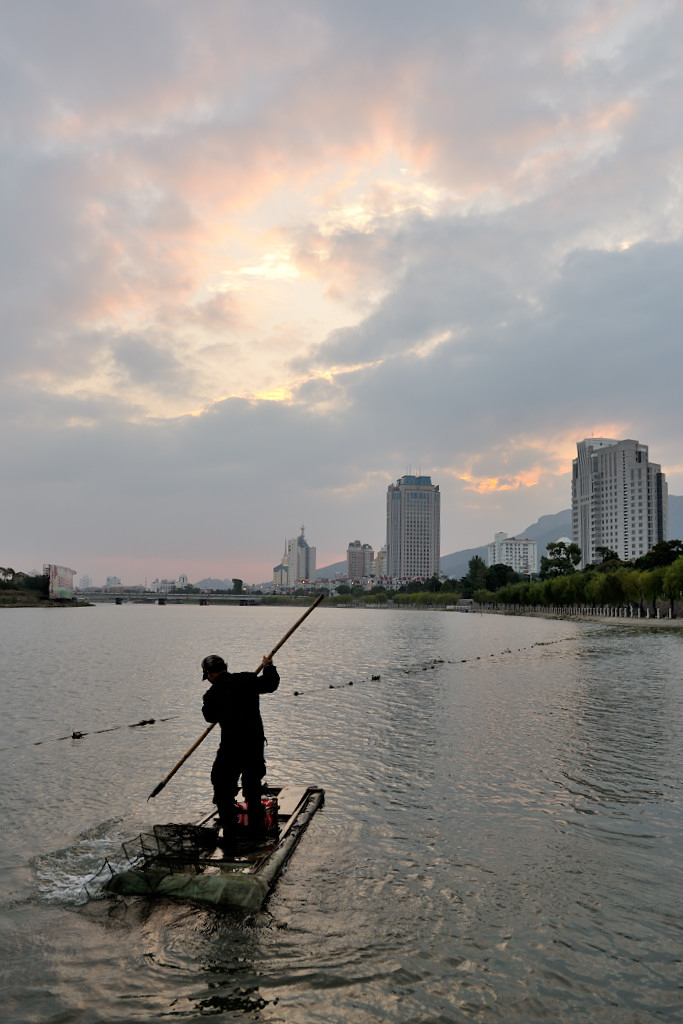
<point>206,732</point>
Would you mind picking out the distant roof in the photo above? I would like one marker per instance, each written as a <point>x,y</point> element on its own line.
<point>416,480</point>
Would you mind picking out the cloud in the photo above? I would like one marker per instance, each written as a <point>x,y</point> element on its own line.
<point>256,266</point>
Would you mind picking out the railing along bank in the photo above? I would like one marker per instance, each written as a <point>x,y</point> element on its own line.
<point>660,611</point>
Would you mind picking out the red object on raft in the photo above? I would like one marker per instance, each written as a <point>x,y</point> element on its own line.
<point>270,812</point>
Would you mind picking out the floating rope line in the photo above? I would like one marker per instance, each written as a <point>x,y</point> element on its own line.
<point>78,734</point>
<point>422,667</point>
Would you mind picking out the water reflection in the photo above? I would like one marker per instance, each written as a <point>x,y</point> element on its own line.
<point>620,741</point>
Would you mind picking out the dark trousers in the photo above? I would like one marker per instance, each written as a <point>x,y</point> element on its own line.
<point>225,776</point>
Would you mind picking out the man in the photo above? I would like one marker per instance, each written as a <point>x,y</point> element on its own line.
<point>233,701</point>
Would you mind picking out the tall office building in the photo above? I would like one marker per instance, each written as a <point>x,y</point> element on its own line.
<point>413,528</point>
<point>300,561</point>
<point>619,499</point>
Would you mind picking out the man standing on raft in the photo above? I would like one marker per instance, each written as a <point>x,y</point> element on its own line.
<point>233,701</point>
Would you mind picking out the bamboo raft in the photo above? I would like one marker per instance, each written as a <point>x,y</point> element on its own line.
<point>186,862</point>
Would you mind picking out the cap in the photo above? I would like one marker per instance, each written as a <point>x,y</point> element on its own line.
<point>213,663</point>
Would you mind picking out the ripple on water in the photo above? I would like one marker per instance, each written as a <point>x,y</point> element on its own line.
<point>499,842</point>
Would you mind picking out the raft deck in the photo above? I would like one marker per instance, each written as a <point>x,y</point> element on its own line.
<point>186,861</point>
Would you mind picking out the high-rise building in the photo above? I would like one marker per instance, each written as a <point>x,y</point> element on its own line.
<point>359,559</point>
<point>300,561</point>
<point>619,499</point>
<point>520,553</point>
<point>413,528</point>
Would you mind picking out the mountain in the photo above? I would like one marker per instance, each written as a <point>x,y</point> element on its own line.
<point>330,571</point>
<point>214,584</point>
<point>544,531</point>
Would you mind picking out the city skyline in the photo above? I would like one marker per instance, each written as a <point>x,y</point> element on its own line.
<point>84,579</point>
<point>157,576</point>
<point>342,560</point>
<point>348,244</point>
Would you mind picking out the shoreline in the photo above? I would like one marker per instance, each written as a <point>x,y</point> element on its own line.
<point>610,620</point>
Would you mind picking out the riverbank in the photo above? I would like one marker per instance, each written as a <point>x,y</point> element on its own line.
<point>612,620</point>
<point>26,601</point>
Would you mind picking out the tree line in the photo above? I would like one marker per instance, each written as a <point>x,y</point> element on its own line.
<point>636,585</point>
<point>18,583</point>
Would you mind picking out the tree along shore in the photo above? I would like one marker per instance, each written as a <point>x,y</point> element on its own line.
<point>23,590</point>
<point>30,590</point>
<point>611,589</point>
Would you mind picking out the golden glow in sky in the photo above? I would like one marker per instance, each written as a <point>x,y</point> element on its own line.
<point>257,264</point>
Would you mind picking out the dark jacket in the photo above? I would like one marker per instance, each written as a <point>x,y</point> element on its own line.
<point>233,701</point>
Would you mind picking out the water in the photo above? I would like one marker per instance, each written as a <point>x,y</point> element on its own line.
<point>500,840</point>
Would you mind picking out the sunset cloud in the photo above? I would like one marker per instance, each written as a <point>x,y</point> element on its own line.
<point>256,265</point>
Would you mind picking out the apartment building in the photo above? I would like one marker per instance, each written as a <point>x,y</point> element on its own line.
<point>620,499</point>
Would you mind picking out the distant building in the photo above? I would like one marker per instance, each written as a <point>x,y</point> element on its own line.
<point>359,559</point>
<point>281,571</point>
<point>300,561</point>
<point>619,499</point>
<point>520,553</point>
<point>413,528</point>
<point>112,581</point>
<point>280,574</point>
<point>84,582</point>
<point>162,586</point>
<point>61,581</point>
<point>379,567</point>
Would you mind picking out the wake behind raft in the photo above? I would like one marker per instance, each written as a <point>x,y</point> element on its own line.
<point>185,862</point>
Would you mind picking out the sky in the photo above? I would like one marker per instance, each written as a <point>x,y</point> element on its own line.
<point>259,261</point>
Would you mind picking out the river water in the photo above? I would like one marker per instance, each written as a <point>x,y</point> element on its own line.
<point>501,838</point>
